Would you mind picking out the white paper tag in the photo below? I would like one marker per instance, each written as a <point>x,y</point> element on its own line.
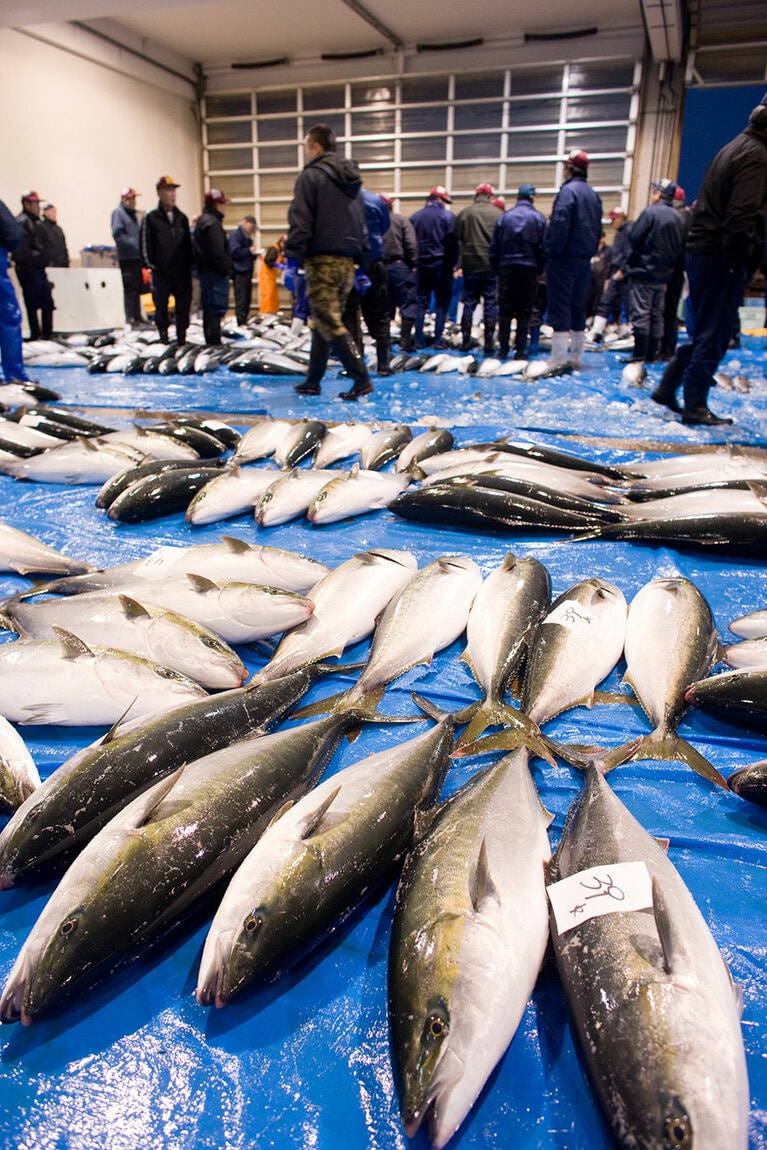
<point>158,563</point>
<point>571,613</point>
<point>600,890</point>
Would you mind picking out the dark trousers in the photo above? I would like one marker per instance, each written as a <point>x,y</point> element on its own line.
<point>438,279</point>
<point>517,293</point>
<point>180,287</point>
<point>567,282</point>
<point>670,313</point>
<point>133,284</point>
<point>36,289</point>
<point>374,303</point>
<point>480,286</point>
<point>715,294</point>
<point>402,293</point>
<point>616,299</point>
<point>10,327</point>
<point>243,290</point>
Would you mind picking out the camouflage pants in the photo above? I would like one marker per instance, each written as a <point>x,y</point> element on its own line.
<point>329,280</point>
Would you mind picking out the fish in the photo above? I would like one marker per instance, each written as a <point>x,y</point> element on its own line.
<point>750,782</point>
<point>82,461</point>
<point>751,654</point>
<point>539,453</point>
<point>588,485</point>
<point>469,935</point>
<point>347,601</point>
<point>432,442</point>
<point>220,430</point>
<point>303,438</point>
<point>671,642</point>
<point>261,440</point>
<point>232,560</point>
<point>544,369</point>
<point>15,394</point>
<point>751,626</point>
<point>166,850</point>
<point>25,554</point>
<point>434,362</point>
<point>384,445</point>
<point>156,495</point>
<point>77,799</point>
<point>64,682</point>
<point>155,633</point>
<point>232,492</point>
<point>152,467</point>
<point>735,696</point>
<point>652,1001</point>
<point>290,494</point>
<point>154,444</point>
<point>489,367</point>
<point>699,462</point>
<point>318,859</point>
<point>19,776</point>
<point>340,442</point>
<point>72,419</point>
<point>633,374</point>
<point>267,363</point>
<point>204,443</point>
<point>503,621</point>
<point>354,492</point>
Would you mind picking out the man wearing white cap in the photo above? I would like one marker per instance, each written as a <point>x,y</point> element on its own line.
<point>30,261</point>
<point>126,232</point>
<point>166,247</point>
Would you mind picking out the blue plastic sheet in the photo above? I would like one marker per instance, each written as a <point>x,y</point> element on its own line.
<point>305,1061</point>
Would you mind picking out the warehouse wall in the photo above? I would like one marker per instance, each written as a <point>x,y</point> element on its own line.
<point>81,128</point>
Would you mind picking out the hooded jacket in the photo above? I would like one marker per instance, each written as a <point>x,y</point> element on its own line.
<point>211,248</point>
<point>728,217</point>
<point>327,215</point>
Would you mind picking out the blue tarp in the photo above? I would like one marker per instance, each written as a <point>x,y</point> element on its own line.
<point>305,1061</point>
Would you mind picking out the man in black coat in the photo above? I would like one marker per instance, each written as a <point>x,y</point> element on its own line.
<point>55,240</point>
<point>30,261</point>
<point>657,239</point>
<point>213,260</point>
<point>166,246</point>
<point>725,244</point>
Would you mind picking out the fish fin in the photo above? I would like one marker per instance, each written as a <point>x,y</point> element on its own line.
<point>73,647</point>
<point>481,885</point>
<point>132,608</point>
<point>237,546</point>
<point>322,707</point>
<point>665,928</point>
<point>9,624</point>
<point>201,583</point>
<point>155,796</point>
<point>737,989</point>
<point>314,820</point>
<point>583,757</point>
<point>669,747</point>
<point>663,844</point>
<point>422,821</point>
<point>353,472</point>
<point>521,731</point>
<point>282,811</point>
<point>113,731</point>
<point>436,713</point>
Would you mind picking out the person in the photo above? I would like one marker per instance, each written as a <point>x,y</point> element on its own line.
<point>374,299</point>
<point>213,261</point>
<point>675,285</point>
<point>126,233</point>
<point>616,298</point>
<point>243,253</point>
<point>11,239</point>
<point>474,228</point>
<point>55,240</point>
<point>400,253</point>
<point>30,260</point>
<point>499,202</point>
<point>572,239</point>
<point>327,236</point>
<point>268,273</point>
<point>657,239</point>
<point>725,245</point>
<point>516,257</point>
<point>166,246</point>
<point>599,274</point>
<point>434,226</point>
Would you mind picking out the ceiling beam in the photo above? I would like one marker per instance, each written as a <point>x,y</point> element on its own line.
<point>374,22</point>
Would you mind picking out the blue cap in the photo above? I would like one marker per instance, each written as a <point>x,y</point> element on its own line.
<point>667,188</point>
<point>526,191</point>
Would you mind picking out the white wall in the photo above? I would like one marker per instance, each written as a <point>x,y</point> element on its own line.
<point>78,131</point>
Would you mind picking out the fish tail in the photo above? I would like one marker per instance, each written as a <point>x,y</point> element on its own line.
<point>434,712</point>
<point>670,747</point>
<point>520,731</point>
<point>583,757</point>
<point>329,705</point>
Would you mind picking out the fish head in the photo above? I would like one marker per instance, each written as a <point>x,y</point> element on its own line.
<point>423,1055</point>
<point>194,650</point>
<point>276,608</point>
<point>675,1128</point>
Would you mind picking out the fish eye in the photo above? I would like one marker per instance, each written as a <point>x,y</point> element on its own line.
<point>436,1028</point>
<point>68,927</point>
<point>211,642</point>
<point>321,497</point>
<point>252,923</point>
<point>677,1132</point>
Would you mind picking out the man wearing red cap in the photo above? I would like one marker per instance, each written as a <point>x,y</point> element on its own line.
<point>126,233</point>
<point>434,227</point>
<point>474,229</point>
<point>166,246</point>
<point>573,237</point>
<point>213,260</point>
<point>30,261</point>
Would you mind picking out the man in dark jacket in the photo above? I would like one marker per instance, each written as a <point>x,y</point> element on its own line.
<point>11,239</point>
<point>126,233</point>
<point>400,248</point>
<point>516,257</point>
<point>675,285</point>
<point>373,300</point>
<point>474,228</point>
<point>213,260</point>
<point>656,243</point>
<point>572,239</point>
<point>166,246</point>
<point>243,261</point>
<point>617,294</point>
<point>30,261</point>
<point>434,227</point>
<point>55,240</point>
<point>725,245</point>
<point>328,237</point>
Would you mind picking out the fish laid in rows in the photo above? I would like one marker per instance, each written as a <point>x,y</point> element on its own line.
<point>81,461</point>
<point>355,492</point>
<point>318,859</point>
<point>652,1001</point>
<point>153,467</point>
<point>232,560</point>
<point>92,786</point>
<point>347,602</point>
<point>699,463</point>
<point>64,682</point>
<point>435,441</point>
<point>588,485</point>
<point>19,776</point>
<point>157,858</point>
<point>261,440</point>
<point>341,442</point>
<point>671,642</point>
<point>156,495</point>
<point>384,445</point>
<point>469,935</point>
<point>25,554</point>
<point>234,491</point>
<point>145,629</point>
<point>748,655</point>
<point>289,495</point>
<point>303,438</point>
